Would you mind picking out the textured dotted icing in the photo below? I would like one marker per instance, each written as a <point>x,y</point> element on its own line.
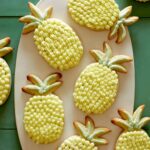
<point>58,44</point>
<point>44,118</point>
<point>96,89</point>
<point>94,14</point>
<point>5,81</point>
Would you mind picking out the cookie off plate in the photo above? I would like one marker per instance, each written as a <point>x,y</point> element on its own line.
<point>29,61</point>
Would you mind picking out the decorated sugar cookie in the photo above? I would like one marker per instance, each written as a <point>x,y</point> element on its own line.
<point>96,88</point>
<point>56,41</point>
<point>89,137</point>
<point>94,14</point>
<point>44,112</point>
<point>5,73</point>
<point>102,15</point>
<point>133,136</point>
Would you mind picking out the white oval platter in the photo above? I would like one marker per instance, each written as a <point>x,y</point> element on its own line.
<point>29,61</point>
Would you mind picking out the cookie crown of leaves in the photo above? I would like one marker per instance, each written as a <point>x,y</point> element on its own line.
<point>4,50</point>
<point>130,122</point>
<point>119,29</point>
<point>34,19</point>
<point>106,58</point>
<point>90,133</point>
<point>39,87</point>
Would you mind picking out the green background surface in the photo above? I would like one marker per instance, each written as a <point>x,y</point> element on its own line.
<point>140,35</point>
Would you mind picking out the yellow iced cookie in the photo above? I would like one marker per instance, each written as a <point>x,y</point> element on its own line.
<point>56,41</point>
<point>44,112</point>
<point>94,14</point>
<point>5,73</point>
<point>89,137</point>
<point>96,88</point>
<point>102,15</point>
<point>133,136</point>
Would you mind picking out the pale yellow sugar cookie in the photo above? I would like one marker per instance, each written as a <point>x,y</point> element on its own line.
<point>44,112</point>
<point>5,73</point>
<point>97,86</point>
<point>56,41</point>
<point>102,15</point>
<point>89,138</point>
<point>133,136</point>
<point>94,14</point>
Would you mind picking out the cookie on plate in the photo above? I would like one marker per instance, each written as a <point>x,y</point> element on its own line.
<point>94,14</point>
<point>44,112</point>
<point>102,15</point>
<point>89,137</point>
<point>56,41</point>
<point>96,88</point>
<point>5,73</point>
<point>133,136</point>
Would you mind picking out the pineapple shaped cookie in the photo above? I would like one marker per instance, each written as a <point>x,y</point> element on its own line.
<point>44,113</point>
<point>96,88</point>
<point>56,41</point>
<point>102,15</point>
<point>5,73</point>
<point>89,137</point>
<point>133,136</point>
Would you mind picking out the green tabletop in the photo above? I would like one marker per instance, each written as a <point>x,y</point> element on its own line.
<point>140,35</point>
